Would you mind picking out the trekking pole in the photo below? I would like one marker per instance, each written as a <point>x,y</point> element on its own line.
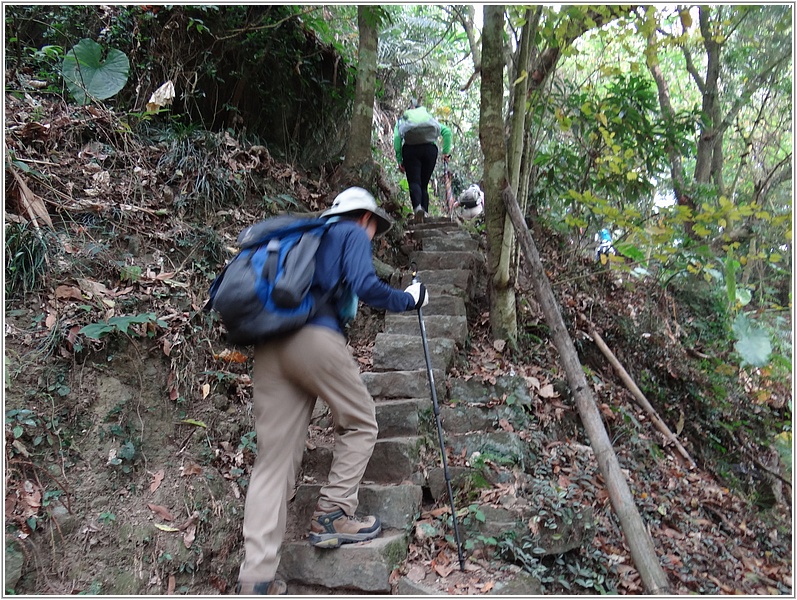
<point>449,193</point>
<point>439,425</point>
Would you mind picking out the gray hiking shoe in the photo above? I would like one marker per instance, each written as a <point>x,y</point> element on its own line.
<point>420,214</point>
<point>331,529</point>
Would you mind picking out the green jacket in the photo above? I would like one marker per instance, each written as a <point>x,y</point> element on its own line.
<point>418,126</point>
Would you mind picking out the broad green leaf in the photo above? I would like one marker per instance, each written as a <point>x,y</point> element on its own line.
<point>743,296</point>
<point>753,343</point>
<point>87,75</point>
<point>96,330</point>
<point>630,251</point>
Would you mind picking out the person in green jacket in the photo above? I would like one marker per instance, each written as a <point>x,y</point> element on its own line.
<point>415,141</point>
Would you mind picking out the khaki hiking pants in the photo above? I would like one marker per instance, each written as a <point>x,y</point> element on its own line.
<point>289,374</point>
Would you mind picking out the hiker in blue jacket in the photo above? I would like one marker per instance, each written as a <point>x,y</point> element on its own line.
<point>291,371</point>
<point>605,245</point>
<point>415,143</point>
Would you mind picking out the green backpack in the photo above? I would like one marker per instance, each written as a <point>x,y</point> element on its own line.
<point>417,126</point>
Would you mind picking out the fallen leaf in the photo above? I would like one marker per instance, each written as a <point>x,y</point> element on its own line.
<point>93,288</point>
<point>547,391</point>
<point>162,511</point>
<point>506,425</point>
<point>205,390</point>
<point>416,573</point>
<point>231,356</point>
<point>191,469</point>
<point>488,586</point>
<point>189,536</point>
<point>156,480</point>
<point>171,585</point>
<point>163,96</point>
<point>168,528</point>
<point>191,521</point>
<point>32,203</point>
<point>65,292</point>
<point>50,320</point>
<point>443,510</point>
<point>443,570</point>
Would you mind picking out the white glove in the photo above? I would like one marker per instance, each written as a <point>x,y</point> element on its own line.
<point>419,294</point>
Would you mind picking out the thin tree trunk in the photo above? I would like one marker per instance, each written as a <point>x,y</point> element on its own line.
<point>466,13</point>
<point>358,148</point>
<point>639,542</point>
<point>503,315</point>
<point>674,154</point>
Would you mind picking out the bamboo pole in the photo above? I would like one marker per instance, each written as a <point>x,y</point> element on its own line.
<point>636,533</point>
<point>638,395</point>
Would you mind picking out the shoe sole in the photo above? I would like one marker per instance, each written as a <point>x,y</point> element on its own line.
<point>336,540</point>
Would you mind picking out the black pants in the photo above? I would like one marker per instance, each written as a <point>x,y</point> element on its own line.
<point>419,161</point>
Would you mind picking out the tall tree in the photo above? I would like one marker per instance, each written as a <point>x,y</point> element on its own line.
<point>503,316</point>
<point>724,93</point>
<point>358,165</point>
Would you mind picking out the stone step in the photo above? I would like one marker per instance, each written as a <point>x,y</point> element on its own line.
<point>446,260</point>
<point>395,352</point>
<point>400,418</point>
<point>437,326</point>
<point>404,384</point>
<point>501,447</point>
<point>446,300</point>
<point>434,232</point>
<point>461,477</point>
<point>396,505</point>
<point>464,418</point>
<point>452,282</point>
<point>507,388</point>
<point>439,223</point>
<point>450,243</point>
<point>445,305</point>
<point>365,566</point>
<point>394,460</point>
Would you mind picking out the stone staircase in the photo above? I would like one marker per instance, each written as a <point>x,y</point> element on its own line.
<point>393,483</point>
<point>488,422</point>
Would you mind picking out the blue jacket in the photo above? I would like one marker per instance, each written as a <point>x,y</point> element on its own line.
<point>345,255</point>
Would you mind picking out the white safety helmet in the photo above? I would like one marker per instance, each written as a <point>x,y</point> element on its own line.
<point>354,199</point>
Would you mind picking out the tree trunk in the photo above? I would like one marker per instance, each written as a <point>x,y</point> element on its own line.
<point>466,13</point>
<point>359,160</point>
<point>636,534</point>
<point>709,137</point>
<point>676,164</point>
<point>503,316</point>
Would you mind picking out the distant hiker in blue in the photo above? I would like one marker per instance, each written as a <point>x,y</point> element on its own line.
<point>415,142</point>
<point>293,370</point>
<point>605,246</point>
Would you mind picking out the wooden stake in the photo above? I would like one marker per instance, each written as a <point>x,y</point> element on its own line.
<point>638,395</point>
